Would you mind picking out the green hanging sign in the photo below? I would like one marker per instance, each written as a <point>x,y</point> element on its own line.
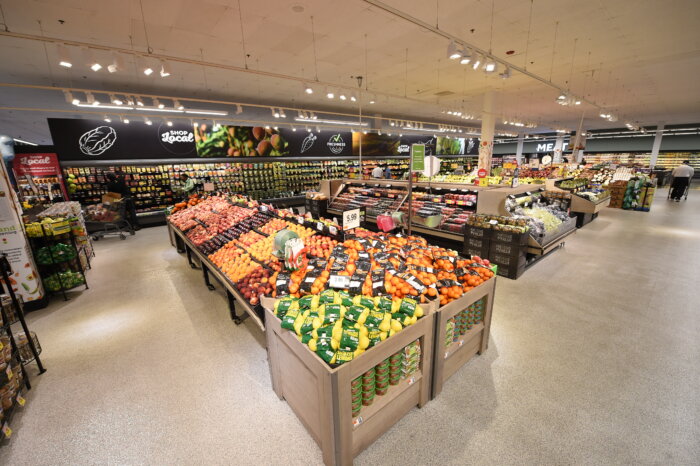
<point>418,157</point>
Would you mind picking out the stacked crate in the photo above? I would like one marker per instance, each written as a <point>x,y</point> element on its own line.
<point>505,249</point>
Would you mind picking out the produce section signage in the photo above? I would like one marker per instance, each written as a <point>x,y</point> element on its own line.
<point>417,157</point>
<point>457,146</point>
<point>25,279</point>
<point>383,144</point>
<point>95,140</point>
<point>40,166</point>
<point>36,165</point>
<point>318,144</point>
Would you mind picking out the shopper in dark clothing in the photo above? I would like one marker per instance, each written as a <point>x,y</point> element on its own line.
<point>681,180</point>
<point>116,184</point>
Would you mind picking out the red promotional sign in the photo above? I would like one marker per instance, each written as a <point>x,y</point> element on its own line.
<point>38,165</point>
<point>481,173</point>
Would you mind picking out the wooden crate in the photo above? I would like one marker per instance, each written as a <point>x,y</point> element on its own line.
<point>321,396</point>
<point>448,359</point>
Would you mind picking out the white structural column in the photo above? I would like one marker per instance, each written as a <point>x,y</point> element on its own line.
<point>558,149</point>
<point>488,126</point>
<point>519,150</point>
<point>657,145</point>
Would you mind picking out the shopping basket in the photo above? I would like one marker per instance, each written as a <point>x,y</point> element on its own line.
<point>106,219</point>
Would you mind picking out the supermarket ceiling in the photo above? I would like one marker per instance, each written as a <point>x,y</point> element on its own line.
<point>636,59</point>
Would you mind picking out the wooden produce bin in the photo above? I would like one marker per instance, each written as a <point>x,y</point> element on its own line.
<point>448,359</point>
<point>580,204</point>
<point>321,396</point>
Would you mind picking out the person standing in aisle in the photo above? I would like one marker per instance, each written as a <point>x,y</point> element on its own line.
<point>682,175</point>
<point>387,173</point>
<point>116,184</point>
<point>187,187</point>
<point>378,172</point>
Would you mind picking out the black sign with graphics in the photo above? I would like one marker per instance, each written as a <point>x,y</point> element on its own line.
<point>94,140</point>
<point>383,144</point>
<point>318,144</point>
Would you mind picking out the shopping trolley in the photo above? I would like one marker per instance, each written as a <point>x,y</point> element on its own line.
<point>684,195</point>
<point>108,218</point>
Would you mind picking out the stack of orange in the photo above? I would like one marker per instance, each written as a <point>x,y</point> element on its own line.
<point>262,250</point>
<point>273,226</point>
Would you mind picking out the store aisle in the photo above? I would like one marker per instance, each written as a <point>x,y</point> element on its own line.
<point>593,359</point>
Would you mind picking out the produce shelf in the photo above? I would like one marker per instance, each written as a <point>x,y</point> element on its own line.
<point>448,359</point>
<point>380,402</point>
<point>209,268</point>
<point>321,396</point>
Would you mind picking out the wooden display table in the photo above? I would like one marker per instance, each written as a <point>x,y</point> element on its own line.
<point>321,396</point>
<point>447,359</point>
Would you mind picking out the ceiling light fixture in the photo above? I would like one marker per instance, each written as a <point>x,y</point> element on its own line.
<point>453,51</point>
<point>148,70</point>
<point>294,129</point>
<point>308,89</point>
<point>282,114</point>
<point>64,56</point>
<point>25,142</point>
<point>318,130</point>
<point>156,109</point>
<point>90,98</point>
<point>107,118</point>
<point>342,96</point>
<point>329,93</point>
<point>69,97</point>
<point>205,112</point>
<point>506,73</point>
<point>313,116</point>
<point>477,61</point>
<point>115,100</point>
<point>274,112</point>
<point>139,102</point>
<point>332,122</point>
<point>466,57</point>
<point>164,69</point>
<point>115,107</point>
<point>178,105</point>
<point>353,98</point>
<point>117,63</point>
<point>490,65</point>
<point>169,123</point>
<point>239,109</point>
<point>125,120</point>
<point>90,60</point>
<point>147,121</point>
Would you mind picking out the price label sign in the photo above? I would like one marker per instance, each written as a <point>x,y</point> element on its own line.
<point>351,219</point>
<point>6,430</point>
<point>208,187</point>
<point>339,281</point>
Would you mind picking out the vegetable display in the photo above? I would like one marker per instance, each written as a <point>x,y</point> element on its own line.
<point>238,236</point>
<point>339,327</point>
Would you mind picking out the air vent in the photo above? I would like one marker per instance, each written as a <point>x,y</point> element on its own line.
<point>443,93</point>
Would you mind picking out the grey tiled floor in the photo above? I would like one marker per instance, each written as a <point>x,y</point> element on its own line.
<point>594,359</point>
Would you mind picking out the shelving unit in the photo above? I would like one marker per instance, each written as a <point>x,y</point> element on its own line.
<point>13,374</point>
<point>453,202</point>
<point>60,259</point>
